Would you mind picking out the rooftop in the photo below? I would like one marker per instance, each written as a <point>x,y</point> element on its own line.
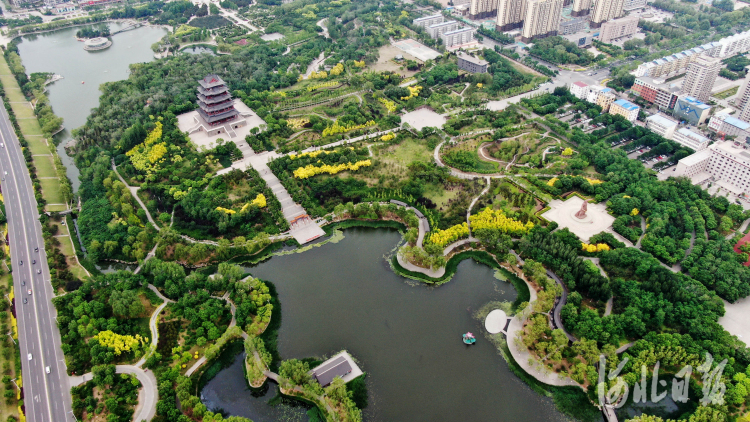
<point>661,120</point>
<point>341,365</point>
<point>696,158</point>
<point>424,18</point>
<point>459,30</point>
<point>446,23</point>
<point>737,122</point>
<point>627,105</point>
<point>695,102</point>
<point>694,136</point>
<point>728,147</point>
<point>472,59</point>
<point>581,84</point>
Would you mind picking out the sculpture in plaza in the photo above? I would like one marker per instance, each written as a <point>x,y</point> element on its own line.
<point>582,212</point>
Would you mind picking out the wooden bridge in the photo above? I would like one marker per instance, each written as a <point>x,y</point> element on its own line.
<point>132,26</point>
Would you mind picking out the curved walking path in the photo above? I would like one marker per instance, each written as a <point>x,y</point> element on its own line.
<point>474,201</point>
<point>153,323</point>
<point>739,230</point>
<point>468,175</point>
<point>134,192</point>
<point>148,395</point>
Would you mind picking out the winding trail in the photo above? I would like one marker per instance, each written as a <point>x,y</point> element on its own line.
<point>148,395</point>
<point>474,201</point>
<point>134,192</point>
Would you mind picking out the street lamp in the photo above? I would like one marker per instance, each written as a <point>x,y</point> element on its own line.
<point>11,337</point>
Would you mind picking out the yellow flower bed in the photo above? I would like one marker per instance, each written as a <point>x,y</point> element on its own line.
<point>634,212</point>
<point>226,210</point>
<point>552,181</point>
<point>387,137</point>
<point>595,248</point>
<point>449,235</point>
<point>594,181</point>
<point>259,201</point>
<point>337,70</point>
<point>312,154</point>
<point>310,170</point>
<point>323,85</point>
<point>360,63</point>
<point>119,342</point>
<point>319,75</point>
<point>146,155</point>
<point>336,128</point>
<point>567,152</point>
<point>496,219</point>
<point>389,105</point>
<point>413,92</point>
<point>298,123</point>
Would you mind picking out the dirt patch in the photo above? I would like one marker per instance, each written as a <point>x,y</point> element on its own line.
<point>386,63</point>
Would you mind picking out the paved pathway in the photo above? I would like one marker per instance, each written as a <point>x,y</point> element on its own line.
<point>134,192</point>
<point>153,323</point>
<point>474,201</point>
<point>147,396</point>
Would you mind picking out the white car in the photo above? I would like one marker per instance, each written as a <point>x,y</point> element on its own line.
<point>29,356</point>
<point>47,369</point>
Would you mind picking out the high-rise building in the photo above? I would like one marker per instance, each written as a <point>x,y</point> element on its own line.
<point>542,19</point>
<point>214,101</point>
<point>581,7</point>
<point>656,91</point>
<point>481,9</point>
<point>700,77</point>
<point>723,162</point>
<point>510,14</point>
<point>742,101</point>
<point>618,28</point>
<point>606,10</point>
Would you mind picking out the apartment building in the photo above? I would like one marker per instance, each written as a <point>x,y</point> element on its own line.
<point>581,8</point>
<point>542,19</point>
<point>661,126</point>
<point>579,90</point>
<point>625,109</point>
<point>572,26</point>
<point>726,125</point>
<point>439,29</point>
<point>482,9</point>
<point>510,14</point>
<point>606,10</point>
<point>458,37</point>
<point>656,92</point>
<point>676,63</point>
<point>426,21</point>
<point>633,4</point>
<point>618,28</point>
<point>470,63</point>
<point>700,77</point>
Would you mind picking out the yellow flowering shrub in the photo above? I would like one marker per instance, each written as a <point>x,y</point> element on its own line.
<point>310,170</point>
<point>322,85</point>
<point>337,70</point>
<point>634,212</point>
<point>387,137</point>
<point>496,219</point>
<point>259,201</point>
<point>298,123</point>
<point>119,342</point>
<point>147,155</point>
<point>319,75</point>
<point>413,92</point>
<point>336,128</point>
<point>626,196</point>
<point>480,85</point>
<point>595,248</point>
<point>594,181</point>
<point>552,181</point>
<point>360,63</point>
<point>388,104</point>
<point>312,154</point>
<point>226,210</point>
<point>567,152</point>
<point>449,235</point>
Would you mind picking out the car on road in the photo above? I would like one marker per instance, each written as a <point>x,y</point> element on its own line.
<point>29,356</point>
<point>29,291</point>
<point>25,301</point>
<point>23,282</point>
<point>38,271</point>
<point>2,145</point>
<point>20,262</point>
<point>36,249</point>
<point>47,369</point>
<point>33,261</point>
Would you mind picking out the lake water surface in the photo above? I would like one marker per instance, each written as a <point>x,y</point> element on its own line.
<point>406,335</point>
<point>59,52</point>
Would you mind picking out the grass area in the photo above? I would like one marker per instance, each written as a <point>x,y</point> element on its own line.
<point>8,407</point>
<point>51,191</point>
<point>440,196</point>
<point>24,112</point>
<point>406,152</point>
<point>29,127</point>
<point>45,167</point>
<point>727,93</point>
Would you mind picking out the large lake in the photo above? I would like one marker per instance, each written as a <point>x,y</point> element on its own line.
<point>59,52</point>
<point>406,335</point>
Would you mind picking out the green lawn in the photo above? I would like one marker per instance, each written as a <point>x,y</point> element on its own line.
<point>29,127</point>
<point>45,167</point>
<point>23,111</point>
<point>727,93</point>
<point>51,191</point>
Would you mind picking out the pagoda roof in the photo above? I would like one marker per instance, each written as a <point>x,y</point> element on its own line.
<point>214,107</point>
<point>211,81</point>
<point>231,113</point>
<point>213,91</point>
<point>214,99</point>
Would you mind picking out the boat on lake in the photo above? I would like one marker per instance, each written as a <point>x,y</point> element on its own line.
<point>469,338</point>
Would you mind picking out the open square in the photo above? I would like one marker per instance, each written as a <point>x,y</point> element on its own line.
<point>422,118</point>
<point>595,221</point>
<point>205,136</point>
<point>418,50</point>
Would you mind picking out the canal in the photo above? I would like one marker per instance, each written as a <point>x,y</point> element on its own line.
<point>73,97</point>
<point>406,335</point>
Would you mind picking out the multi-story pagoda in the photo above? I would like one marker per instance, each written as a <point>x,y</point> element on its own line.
<point>215,101</point>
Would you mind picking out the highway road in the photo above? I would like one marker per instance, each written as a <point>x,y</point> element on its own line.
<point>46,396</point>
